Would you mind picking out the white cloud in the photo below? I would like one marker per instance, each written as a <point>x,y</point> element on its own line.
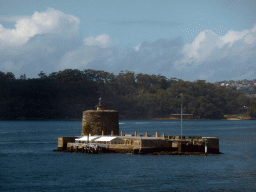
<point>249,39</point>
<point>40,53</point>
<point>78,59</point>
<point>137,48</point>
<point>196,52</point>
<point>231,37</point>
<point>49,22</point>
<point>254,28</point>
<point>102,40</point>
<point>37,42</point>
<point>210,47</point>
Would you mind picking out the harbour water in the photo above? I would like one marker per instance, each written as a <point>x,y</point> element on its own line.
<point>28,162</point>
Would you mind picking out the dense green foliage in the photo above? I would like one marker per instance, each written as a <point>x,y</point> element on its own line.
<point>65,94</point>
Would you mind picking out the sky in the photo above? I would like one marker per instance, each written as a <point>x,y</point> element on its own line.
<point>191,40</point>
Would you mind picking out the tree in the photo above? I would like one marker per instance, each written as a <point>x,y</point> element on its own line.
<point>10,75</point>
<point>53,75</point>
<point>23,77</point>
<point>42,75</point>
<point>252,107</point>
<point>87,128</point>
<point>126,82</point>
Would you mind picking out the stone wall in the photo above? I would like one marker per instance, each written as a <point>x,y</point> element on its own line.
<point>212,144</point>
<point>123,148</point>
<point>152,143</point>
<point>62,142</point>
<point>101,120</point>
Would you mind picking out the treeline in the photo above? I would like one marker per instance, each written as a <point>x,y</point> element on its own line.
<point>65,94</point>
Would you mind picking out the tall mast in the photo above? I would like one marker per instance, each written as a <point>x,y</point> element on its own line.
<point>181,95</point>
<point>181,120</point>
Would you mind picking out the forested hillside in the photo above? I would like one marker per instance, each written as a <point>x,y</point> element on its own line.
<point>65,94</point>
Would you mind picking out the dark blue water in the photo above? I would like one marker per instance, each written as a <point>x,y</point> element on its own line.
<point>28,162</point>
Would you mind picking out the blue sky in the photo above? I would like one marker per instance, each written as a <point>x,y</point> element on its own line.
<point>190,40</point>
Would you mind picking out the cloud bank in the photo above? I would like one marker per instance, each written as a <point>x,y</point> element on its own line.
<point>230,56</point>
<point>102,40</point>
<point>50,41</point>
<point>37,42</point>
<point>49,22</point>
<point>210,56</point>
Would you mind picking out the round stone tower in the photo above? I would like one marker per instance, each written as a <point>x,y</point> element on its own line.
<point>102,121</point>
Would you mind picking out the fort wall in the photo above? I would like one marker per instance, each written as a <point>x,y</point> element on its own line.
<point>101,120</point>
<point>62,142</point>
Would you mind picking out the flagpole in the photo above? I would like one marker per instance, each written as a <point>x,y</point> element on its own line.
<point>181,95</point>
<point>181,121</point>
